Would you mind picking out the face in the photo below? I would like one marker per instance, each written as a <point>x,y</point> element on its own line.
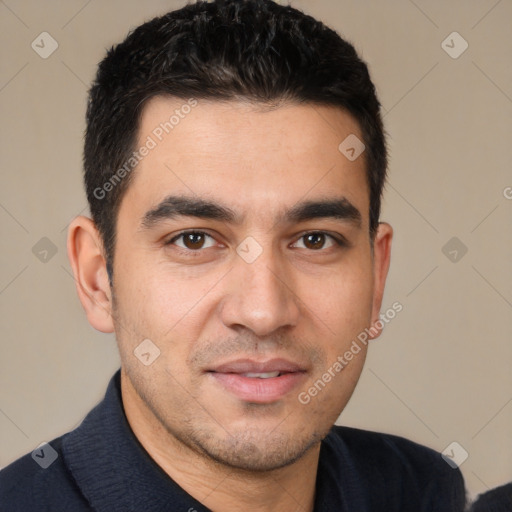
<point>243,254</point>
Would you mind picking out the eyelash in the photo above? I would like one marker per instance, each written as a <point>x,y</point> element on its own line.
<point>340,242</point>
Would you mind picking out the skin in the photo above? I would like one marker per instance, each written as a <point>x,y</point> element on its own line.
<point>301,300</point>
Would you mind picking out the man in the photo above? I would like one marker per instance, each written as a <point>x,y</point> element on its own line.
<point>234,164</point>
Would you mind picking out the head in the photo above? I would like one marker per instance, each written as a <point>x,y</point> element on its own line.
<point>241,123</point>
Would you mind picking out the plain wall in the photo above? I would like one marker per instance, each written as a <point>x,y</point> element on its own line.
<point>441,371</point>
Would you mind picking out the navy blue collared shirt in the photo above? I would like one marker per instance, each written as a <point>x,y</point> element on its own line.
<point>101,466</point>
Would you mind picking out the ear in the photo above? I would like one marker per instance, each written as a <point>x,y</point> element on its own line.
<point>381,259</point>
<point>85,253</point>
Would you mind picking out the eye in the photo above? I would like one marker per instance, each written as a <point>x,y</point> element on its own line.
<point>316,241</point>
<point>192,240</point>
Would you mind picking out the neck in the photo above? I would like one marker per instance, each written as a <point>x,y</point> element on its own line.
<point>219,487</point>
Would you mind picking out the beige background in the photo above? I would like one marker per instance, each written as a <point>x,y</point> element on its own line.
<point>441,372</point>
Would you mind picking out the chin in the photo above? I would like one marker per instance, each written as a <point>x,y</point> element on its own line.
<point>256,450</point>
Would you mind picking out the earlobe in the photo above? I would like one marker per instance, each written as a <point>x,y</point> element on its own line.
<point>85,253</point>
<point>381,260</point>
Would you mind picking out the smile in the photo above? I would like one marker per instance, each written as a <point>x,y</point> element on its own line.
<point>258,382</point>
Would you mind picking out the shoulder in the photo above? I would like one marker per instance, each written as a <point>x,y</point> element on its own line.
<point>41,481</point>
<point>385,449</point>
<point>499,498</point>
<point>398,471</point>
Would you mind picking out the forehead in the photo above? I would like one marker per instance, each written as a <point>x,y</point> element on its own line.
<point>245,155</point>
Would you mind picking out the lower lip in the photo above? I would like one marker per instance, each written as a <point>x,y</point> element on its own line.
<point>259,390</point>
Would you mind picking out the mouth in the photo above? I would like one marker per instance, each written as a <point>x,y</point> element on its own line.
<point>258,382</point>
<point>267,375</point>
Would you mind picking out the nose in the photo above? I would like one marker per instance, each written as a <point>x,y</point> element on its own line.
<point>260,296</point>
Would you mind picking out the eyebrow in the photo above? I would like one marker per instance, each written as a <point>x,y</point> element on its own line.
<point>187,206</point>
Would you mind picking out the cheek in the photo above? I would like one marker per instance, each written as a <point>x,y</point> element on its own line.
<point>154,294</point>
<point>166,309</point>
<point>344,299</point>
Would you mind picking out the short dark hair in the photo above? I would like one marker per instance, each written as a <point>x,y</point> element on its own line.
<point>255,50</point>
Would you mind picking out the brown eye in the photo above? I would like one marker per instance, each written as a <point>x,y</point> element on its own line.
<point>192,240</point>
<point>316,241</point>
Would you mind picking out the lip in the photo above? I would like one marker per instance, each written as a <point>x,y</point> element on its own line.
<point>256,390</point>
<point>253,366</point>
